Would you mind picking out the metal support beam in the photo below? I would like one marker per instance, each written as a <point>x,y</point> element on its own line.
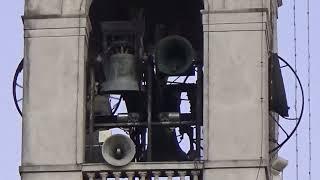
<point>149,101</point>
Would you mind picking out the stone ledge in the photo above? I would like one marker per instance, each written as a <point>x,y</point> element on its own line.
<point>235,164</point>
<point>49,168</point>
<point>44,16</point>
<point>235,27</point>
<point>244,10</point>
<point>234,17</point>
<point>146,166</point>
<point>57,23</point>
<point>55,32</point>
<point>95,167</point>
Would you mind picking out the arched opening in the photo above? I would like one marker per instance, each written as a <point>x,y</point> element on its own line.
<point>128,31</point>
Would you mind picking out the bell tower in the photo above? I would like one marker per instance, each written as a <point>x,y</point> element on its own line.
<point>139,89</point>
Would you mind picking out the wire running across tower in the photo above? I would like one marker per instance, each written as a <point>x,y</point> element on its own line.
<point>309,92</point>
<point>295,87</point>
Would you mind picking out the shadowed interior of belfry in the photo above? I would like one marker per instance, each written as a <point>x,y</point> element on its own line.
<point>145,81</point>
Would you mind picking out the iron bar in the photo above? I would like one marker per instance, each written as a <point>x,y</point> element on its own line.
<point>17,84</point>
<point>14,84</point>
<point>277,122</point>
<point>116,120</point>
<point>144,124</point>
<point>302,105</point>
<point>199,108</point>
<point>149,104</point>
<point>91,110</point>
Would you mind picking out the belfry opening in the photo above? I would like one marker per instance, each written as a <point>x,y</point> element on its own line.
<point>147,62</point>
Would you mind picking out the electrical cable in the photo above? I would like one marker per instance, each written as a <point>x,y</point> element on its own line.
<point>295,87</point>
<point>309,91</point>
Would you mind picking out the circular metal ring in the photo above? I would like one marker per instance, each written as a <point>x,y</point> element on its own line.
<point>302,106</point>
<point>15,85</point>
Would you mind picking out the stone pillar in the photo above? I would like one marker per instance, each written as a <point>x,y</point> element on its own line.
<point>130,175</point>
<point>169,174</point>
<point>236,45</point>
<point>56,38</point>
<point>156,174</point>
<point>104,175</point>
<point>143,175</point>
<point>182,175</point>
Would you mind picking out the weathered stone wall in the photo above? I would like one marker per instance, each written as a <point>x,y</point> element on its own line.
<point>56,39</point>
<point>56,7</point>
<point>237,40</point>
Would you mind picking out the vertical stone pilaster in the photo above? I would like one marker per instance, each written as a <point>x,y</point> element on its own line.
<point>56,42</point>
<point>54,97</point>
<point>236,45</point>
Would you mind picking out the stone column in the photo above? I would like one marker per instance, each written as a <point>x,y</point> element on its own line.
<point>91,176</point>
<point>104,175</point>
<point>195,175</point>
<point>143,175</point>
<point>130,175</point>
<point>116,175</point>
<point>156,174</point>
<point>236,45</point>
<point>182,175</point>
<point>56,38</point>
<point>169,174</point>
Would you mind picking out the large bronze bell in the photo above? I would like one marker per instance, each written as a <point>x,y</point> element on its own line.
<point>121,74</point>
<point>174,55</point>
